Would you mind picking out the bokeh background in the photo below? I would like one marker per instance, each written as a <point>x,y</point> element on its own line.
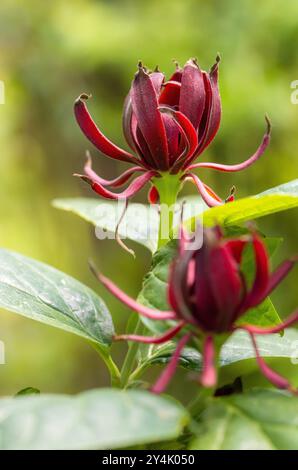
<point>53,51</point>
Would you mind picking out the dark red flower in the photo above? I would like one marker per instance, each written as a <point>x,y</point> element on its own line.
<point>167,125</point>
<point>208,294</point>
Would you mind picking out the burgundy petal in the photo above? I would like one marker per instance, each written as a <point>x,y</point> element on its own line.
<point>114,183</point>
<point>126,122</point>
<point>170,94</point>
<point>192,93</point>
<point>209,374</point>
<point>169,371</point>
<point>169,334</point>
<point>239,166</point>
<point>236,247</point>
<point>260,284</point>
<point>291,320</point>
<point>278,275</point>
<point>271,375</point>
<point>157,80</point>
<point>188,132</point>
<point>226,285</point>
<point>212,114</point>
<point>153,195</point>
<point>177,288</point>
<point>136,185</point>
<point>208,198</point>
<point>95,136</point>
<point>145,108</point>
<point>129,302</point>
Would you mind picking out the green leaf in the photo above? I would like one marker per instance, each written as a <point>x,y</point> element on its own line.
<point>97,419</point>
<point>154,289</point>
<point>140,223</point>
<point>237,356</point>
<point>258,420</point>
<point>28,391</point>
<point>274,200</point>
<point>42,293</point>
<point>106,214</point>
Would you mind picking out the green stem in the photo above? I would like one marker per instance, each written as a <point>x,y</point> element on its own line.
<point>113,369</point>
<point>168,187</point>
<point>130,357</point>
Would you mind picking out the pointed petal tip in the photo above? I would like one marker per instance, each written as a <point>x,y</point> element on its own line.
<point>215,66</point>
<point>83,177</point>
<point>269,124</point>
<point>93,268</point>
<point>176,64</point>
<point>83,97</point>
<point>88,157</point>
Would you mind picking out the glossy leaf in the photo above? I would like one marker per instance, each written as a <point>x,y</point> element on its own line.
<point>258,420</point>
<point>42,293</point>
<point>97,419</point>
<point>140,223</point>
<point>274,200</point>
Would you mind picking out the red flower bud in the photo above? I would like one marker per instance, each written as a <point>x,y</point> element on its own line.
<point>208,294</point>
<point>167,125</point>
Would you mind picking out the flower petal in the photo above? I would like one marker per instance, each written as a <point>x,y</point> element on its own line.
<point>209,374</point>
<point>206,196</point>
<point>271,375</point>
<point>116,182</point>
<point>153,195</point>
<point>291,320</point>
<point>260,284</point>
<point>169,334</point>
<point>129,302</point>
<point>170,94</point>
<point>192,93</point>
<point>134,187</point>
<point>226,285</point>
<point>188,132</point>
<point>95,136</point>
<point>211,118</point>
<point>145,108</point>
<point>164,379</point>
<point>239,166</point>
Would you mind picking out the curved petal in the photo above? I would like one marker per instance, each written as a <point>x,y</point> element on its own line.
<point>170,94</point>
<point>291,320</point>
<point>169,334</point>
<point>134,187</point>
<point>239,166</point>
<point>157,80</point>
<point>153,195</point>
<point>226,285</point>
<point>211,118</point>
<point>129,302</point>
<point>126,122</point>
<point>277,276</point>
<point>271,375</point>
<point>145,108</point>
<point>192,93</point>
<point>206,196</point>
<point>114,183</point>
<point>188,132</point>
<point>164,379</point>
<point>95,136</point>
<point>261,281</point>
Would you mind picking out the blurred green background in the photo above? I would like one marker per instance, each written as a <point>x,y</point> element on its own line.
<point>53,51</point>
